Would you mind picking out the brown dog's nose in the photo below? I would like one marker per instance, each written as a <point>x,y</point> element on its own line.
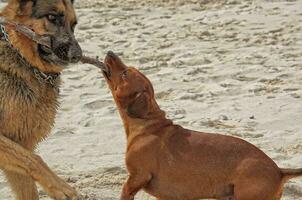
<point>112,55</point>
<point>113,61</point>
<point>112,58</point>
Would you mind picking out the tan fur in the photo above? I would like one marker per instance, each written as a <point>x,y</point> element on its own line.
<point>173,163</point>
<point>27,113</point>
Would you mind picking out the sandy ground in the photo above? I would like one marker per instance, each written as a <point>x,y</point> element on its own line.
<point>232,67</point>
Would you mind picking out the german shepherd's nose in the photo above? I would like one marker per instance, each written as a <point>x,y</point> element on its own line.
<point>75,52</point>
<point>69,51</point>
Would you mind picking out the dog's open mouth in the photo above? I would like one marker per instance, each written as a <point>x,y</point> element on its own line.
<point>109,61</point>
<point>107,73</point>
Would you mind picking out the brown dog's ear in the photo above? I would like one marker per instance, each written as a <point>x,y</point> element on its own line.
<point>139,108</point>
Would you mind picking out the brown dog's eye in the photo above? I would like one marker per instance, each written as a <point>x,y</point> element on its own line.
<point>124,74</point>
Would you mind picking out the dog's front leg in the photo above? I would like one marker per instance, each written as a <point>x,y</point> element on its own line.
<point>15,158</point>
<point>23,186</point>
<point>135,182</point>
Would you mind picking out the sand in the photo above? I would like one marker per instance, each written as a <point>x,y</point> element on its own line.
<point>232,67</point>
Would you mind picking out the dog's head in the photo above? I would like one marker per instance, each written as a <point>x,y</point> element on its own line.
<point>53,18</point>
<point>132,91</point>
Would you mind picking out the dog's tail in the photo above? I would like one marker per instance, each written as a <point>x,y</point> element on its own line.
<point>291,173</point>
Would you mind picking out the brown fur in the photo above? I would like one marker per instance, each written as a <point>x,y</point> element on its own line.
<point>27,113</point>
<point>170,162</point>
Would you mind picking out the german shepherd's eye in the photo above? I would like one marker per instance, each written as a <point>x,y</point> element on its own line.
<point>55,19</point>
<point>52,18</point>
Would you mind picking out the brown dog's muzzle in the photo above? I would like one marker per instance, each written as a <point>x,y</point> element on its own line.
<point>113,64</point>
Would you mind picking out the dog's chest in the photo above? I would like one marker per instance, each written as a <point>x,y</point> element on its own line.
<point>27,110</point>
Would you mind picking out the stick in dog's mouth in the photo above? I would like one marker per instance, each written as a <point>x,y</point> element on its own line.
<point>95,62</point>
<point>26,31</point>
<point>107,73</point>
<point>46,41</point>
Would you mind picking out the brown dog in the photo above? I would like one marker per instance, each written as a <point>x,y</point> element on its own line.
<point>29,82</point>
<point>170,162</point>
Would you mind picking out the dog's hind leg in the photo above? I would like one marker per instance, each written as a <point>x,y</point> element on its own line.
<point>23,186</point>
<point>257,180</point>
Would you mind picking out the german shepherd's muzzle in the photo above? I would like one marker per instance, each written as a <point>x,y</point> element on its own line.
<point>64,47</point>
<point>59,22</point>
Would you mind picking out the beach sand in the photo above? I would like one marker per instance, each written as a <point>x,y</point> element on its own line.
<point>232,67</point>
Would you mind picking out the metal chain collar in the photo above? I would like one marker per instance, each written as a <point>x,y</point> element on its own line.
<point>40,76</point>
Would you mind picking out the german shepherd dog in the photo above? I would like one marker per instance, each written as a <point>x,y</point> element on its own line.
<point>29,82</point>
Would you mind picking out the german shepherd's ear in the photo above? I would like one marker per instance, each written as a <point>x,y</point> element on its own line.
<point>139,108</point>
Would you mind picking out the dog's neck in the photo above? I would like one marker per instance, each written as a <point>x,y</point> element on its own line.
<point>135,127</point>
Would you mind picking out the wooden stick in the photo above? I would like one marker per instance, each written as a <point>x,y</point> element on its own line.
<point>45,40</point>
<point>26,31</point>
<point>95,62</point>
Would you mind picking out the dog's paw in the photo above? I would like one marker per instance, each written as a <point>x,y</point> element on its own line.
<point>62,191</point>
